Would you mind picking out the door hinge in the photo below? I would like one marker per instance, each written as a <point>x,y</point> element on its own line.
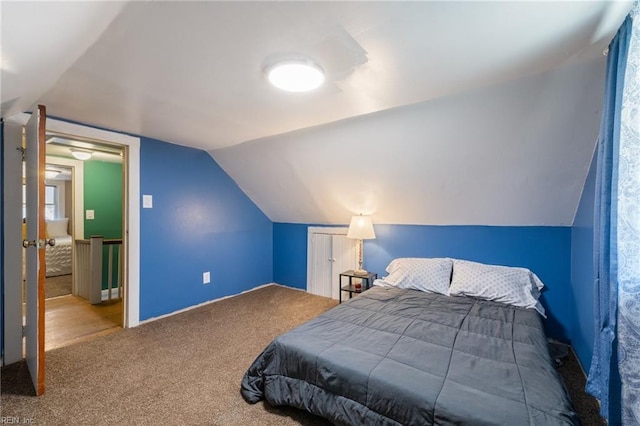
<point>24,330</point>
<point>22,152</point>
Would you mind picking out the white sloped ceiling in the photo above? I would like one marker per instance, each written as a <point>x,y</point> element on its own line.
<point>433,112</point>
<point>40,41</point>
<point>511,154</point>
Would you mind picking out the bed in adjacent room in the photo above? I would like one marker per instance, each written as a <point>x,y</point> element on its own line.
<point>58,257</point>
<point>437,341</point>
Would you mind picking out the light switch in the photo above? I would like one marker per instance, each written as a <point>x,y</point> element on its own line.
<point>147,201</point>
<point>90,214</point>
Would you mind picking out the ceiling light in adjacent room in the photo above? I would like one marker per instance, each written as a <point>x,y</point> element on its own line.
<point>81,154</point>
<point>295,75</point>
<point>51,173</point>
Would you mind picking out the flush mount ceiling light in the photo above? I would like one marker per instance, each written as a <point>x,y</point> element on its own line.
<point>51,173</point>
<point>295,75</point>
<point>81,154</point>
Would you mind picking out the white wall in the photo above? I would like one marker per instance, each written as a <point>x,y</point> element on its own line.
<point>512,154</point>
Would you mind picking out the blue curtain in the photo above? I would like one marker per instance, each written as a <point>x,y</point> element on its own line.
<point>628,219</point>
<point>605,260</point>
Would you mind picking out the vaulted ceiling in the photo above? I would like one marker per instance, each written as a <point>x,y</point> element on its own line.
<point>432,113</point>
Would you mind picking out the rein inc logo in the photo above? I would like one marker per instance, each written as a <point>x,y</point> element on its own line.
<point>7,420</point>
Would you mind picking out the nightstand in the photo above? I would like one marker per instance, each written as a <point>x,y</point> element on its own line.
<point>366,281</point>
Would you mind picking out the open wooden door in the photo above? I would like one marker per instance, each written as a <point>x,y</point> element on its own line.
<point>35,245</point>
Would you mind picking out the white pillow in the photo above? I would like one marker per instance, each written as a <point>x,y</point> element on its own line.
<point>515,286</point>
<point>428,275</point>
<point>57,227</point>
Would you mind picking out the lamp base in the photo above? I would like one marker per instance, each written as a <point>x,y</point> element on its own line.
<point>360,272</point>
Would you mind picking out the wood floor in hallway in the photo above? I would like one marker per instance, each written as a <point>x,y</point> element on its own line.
<point>71,319</point>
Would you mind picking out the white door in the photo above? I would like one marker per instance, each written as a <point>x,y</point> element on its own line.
<point>36,236</point>
<point>320,274</point>
<point>329,253</point>
<point>345,257</point>
<point>12,236</point>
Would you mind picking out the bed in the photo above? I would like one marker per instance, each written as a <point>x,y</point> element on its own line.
<point>400,355</point>
<point>58,257</point>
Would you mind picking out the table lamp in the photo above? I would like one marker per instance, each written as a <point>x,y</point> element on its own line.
<point>361,228</point>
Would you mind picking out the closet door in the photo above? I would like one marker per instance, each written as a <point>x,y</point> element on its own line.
<point>344,256</point>
<point>329,253</point>
<point>321,270</point>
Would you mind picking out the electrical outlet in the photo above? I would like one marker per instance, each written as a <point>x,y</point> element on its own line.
<point>206,277</point>
<point>90,214</point>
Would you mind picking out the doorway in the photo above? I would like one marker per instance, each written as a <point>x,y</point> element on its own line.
<point>84,197</point>
<point>13,341</point>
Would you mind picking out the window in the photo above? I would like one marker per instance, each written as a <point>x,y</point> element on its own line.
<point>51,201</point>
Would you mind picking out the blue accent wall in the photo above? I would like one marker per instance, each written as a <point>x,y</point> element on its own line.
<point>200,221</point>
<point>582,271</point>
<point>290,254</point>
<point>544,250</point>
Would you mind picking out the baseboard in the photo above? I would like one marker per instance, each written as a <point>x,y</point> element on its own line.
<point>208,302</point>
<point>289,287</point>
<point>114,294</point>
<point>575,355</point>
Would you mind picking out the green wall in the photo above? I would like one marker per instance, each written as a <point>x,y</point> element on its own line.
<point>103,194</point>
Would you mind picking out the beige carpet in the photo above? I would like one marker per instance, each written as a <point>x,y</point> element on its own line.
<point>185,369</point>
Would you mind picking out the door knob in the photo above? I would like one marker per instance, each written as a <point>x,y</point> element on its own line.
<point>39,243</point>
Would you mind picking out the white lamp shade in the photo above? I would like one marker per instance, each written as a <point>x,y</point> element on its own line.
<point>361,228</point>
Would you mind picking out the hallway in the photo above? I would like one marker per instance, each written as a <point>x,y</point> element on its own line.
<point>71,319</point>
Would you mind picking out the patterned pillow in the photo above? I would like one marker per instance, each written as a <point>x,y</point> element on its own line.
<point>515,286</point>
<point>428,275</point>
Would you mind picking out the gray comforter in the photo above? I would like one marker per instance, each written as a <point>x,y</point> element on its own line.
<point>393,356</point>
